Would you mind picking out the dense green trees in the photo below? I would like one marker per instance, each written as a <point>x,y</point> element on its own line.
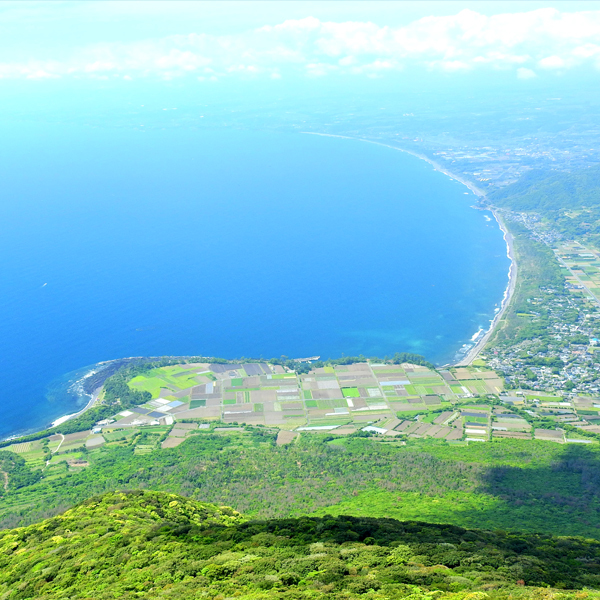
<point>397,358</point>
<point>551,190</point>
<point>157,545</point>
<point>14,473</point>
<point>504,484</point>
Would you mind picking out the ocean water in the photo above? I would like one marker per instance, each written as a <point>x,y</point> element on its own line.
<point>121,242</point>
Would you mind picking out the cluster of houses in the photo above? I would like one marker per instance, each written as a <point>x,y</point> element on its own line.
<point>569,343</point>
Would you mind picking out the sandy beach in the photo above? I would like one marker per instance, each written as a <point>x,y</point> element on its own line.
<point>512,281</point>
<point>508,238</point>
<point>477,191</point>
<point>89,405</point>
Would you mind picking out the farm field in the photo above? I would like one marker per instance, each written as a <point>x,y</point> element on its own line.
<point>582,266</point>
<point>397,402</point>
<point>213,430</point>
<point>341,399</point>
<point>388,399</point>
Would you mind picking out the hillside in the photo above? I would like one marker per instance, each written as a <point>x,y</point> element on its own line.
<point>551,190</point>
<point>567,203</point>
<point>502,484</point>
<point>157,545</point>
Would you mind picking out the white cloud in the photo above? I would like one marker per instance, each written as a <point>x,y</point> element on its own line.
<point>552,62</point>
<point>524,73</point>
<point>100,65</point>
<point>41,74</point>
<point>319,69</point>
<point>451,66</point>
<point>544,39</point>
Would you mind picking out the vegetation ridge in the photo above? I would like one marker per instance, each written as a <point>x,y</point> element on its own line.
<point>157,545</point>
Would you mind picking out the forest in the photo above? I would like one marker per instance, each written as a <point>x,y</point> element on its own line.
<point>550,190</point>
<point>505,484</point>
<point>568,202</point>
<point>159,545</point>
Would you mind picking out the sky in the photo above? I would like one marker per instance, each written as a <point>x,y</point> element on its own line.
<point>211,41</point>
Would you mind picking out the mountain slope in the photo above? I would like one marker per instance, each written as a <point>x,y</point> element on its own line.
<point>551,190</point>
<point>157,545</point>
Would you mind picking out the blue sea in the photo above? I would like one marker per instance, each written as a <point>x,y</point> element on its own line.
<point>122,242</point>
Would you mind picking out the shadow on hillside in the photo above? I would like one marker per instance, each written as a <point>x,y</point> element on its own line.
<point>562,497</point>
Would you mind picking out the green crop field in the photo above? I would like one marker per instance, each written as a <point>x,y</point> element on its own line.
<point>350,392</point>
<point>543,398</point>
<point>427,380</point>
<point>476,419</point>
<point>148,384</point>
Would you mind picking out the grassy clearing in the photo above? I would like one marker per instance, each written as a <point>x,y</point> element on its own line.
<point>143,383</point>
<point>458,508</point>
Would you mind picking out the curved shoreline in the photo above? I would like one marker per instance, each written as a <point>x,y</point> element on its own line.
<point>473,352</point>
<point>93,397</point>
<point>477,191</point>
<point>65,418</point>
<point>508,294</point>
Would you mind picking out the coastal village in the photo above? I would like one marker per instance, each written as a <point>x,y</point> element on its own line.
<point>561,354</point>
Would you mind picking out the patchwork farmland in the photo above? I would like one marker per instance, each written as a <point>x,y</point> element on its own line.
<point>581,265</point>
<point>341,399</point>
<point>396,402</point>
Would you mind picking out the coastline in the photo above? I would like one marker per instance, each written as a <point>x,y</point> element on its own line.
<point>65,418</point>
<point>477,191</point>
<point>508,294</point>
<point>479,340</point>
<point>473,352</point>
<point>100,367</point>
<point>93,397</point>
<point>79,387</point>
